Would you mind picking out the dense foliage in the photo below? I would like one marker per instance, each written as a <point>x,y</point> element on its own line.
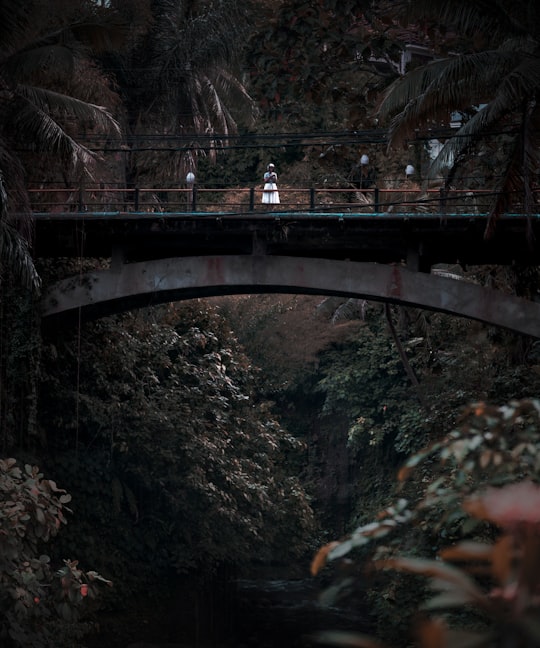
<point>366,381</point>
<point>314,64</point>
<point>173,460</point>
<point>478,509</point>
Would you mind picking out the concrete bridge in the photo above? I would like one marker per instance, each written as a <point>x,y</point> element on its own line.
<point>149,258</point>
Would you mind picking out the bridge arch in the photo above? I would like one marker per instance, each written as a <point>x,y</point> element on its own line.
<point>134,285</point>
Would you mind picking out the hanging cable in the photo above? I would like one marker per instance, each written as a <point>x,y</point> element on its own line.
<point>78,371</point>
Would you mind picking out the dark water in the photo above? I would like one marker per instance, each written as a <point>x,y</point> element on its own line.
<point>289,614</point>
<point>238,613</point>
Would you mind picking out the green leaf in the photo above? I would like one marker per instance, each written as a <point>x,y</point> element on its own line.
<point>65,611</point>
<point>454,598</point>
<point>342,549</point>
<point>437,570</point>
<point>40,516</point>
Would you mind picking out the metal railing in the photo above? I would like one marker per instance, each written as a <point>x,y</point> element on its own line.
<point>246,200</point>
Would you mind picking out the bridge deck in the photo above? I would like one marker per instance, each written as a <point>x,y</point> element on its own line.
<point>420,239</point>
<point>273,214</point>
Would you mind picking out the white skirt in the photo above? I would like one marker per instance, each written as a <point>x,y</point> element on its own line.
<point>270,194</point>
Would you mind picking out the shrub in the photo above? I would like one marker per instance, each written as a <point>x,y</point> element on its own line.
<point>41,607</point>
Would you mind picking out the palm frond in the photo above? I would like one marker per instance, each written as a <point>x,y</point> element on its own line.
<point>531,141</point>
<point>13,177</point>
<point>351,309</point>
<point>520,83</point>
<point>520,171</point>
<point>511,182</point>
<point>408,88</point>
<point>237,92</point>
<point>57,103</point>
<point>469,78</point>
<point>46,134</point>
<point>3,199</point>
<point>465,138</point>
<point>14,253</point>
<point>437,90</point>
<point>217,113</point>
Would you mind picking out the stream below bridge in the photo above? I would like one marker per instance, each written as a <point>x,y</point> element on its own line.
<point>286,614</point>
<point>255,613</point>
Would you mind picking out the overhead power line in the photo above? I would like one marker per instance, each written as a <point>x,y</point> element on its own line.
<point>227,141</point>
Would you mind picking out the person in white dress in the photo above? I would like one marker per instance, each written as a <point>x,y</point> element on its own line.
<point>270,191</point>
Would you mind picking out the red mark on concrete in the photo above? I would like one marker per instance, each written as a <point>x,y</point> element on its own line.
<point>214,271</point>
<point>395,287</point>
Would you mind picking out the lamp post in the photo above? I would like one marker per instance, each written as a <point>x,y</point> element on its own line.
<point>364,161</point>
<point>190,182</point>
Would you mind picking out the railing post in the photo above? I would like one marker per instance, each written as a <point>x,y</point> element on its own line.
<point>194,199</point>
<point>376,204</point>
<point>81,199</point>
<point>312,198</point>
<point>136,199</point>
<point>252,199</point>
<point>442,200</point>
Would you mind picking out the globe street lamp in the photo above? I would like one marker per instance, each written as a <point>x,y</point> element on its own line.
<point>364,161</point>
<point>190,182</point>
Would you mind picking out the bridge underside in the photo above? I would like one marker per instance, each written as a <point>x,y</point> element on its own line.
<point>127,286</point>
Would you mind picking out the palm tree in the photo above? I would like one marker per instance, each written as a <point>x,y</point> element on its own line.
<point>492,77</point>
<point>43,49</point>
<point>188,89</point>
